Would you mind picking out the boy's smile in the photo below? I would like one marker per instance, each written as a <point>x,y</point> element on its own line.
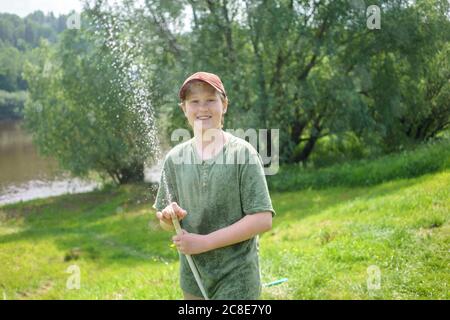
<point>203,117</point>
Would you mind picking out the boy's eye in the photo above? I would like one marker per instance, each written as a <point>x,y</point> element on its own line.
<point>211,100</point>
<point>194,101</point>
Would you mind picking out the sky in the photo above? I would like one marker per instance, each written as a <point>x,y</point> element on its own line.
<point>24,7</point>
<point>58,7</point>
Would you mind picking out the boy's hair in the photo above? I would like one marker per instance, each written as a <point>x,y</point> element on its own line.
<point>188,89</point>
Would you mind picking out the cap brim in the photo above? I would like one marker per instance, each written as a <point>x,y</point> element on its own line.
<point>182,91</point>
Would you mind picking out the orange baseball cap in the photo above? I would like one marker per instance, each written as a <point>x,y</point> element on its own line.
<point>209,78</point>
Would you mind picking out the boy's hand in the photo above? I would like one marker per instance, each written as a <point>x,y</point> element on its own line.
<point>165,216</point>
<point>191,243</point>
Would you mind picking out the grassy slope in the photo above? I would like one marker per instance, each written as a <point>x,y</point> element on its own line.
<point>322,240</point>
<point>427,158</point>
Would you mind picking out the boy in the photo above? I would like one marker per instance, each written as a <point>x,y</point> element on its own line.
<point>222,205</point>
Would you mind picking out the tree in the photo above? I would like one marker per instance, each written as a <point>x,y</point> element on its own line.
<point>11,62</point>
<point>88,107</point>
<point>405,74</point>
<point>314,69</point>
<point>310,68</point>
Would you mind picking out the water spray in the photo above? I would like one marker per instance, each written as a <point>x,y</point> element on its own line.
<point>125,51</point>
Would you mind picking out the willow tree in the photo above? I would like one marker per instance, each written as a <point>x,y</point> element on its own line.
<point>88,104</point>
<point>309,68</point>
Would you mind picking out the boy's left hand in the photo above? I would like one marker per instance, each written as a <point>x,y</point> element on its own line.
<point>190,243</point>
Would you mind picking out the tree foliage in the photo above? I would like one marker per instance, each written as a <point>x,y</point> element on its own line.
<point>312,69</point>
<point>80,107</point>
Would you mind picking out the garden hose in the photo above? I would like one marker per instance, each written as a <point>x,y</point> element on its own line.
<point>194,270</point>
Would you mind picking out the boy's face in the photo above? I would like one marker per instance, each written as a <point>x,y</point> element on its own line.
<point>203,106</point>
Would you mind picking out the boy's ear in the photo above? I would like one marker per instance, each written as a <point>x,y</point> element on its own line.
<point>183,107</point>
<point>225,106</point>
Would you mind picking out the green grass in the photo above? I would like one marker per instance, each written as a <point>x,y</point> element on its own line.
<point>323,240</point>
<point>106,234</point>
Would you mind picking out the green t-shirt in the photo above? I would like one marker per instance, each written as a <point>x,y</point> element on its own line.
<point>217,193</point>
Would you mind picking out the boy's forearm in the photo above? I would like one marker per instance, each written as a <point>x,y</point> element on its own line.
<point>244,229</point>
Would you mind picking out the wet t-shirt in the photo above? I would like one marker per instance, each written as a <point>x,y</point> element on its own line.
<point>216,193</point>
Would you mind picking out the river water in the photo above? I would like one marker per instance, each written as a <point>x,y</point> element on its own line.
<point>25,175</point>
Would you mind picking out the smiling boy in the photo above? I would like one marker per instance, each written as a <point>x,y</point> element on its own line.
<point>222,207</point>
